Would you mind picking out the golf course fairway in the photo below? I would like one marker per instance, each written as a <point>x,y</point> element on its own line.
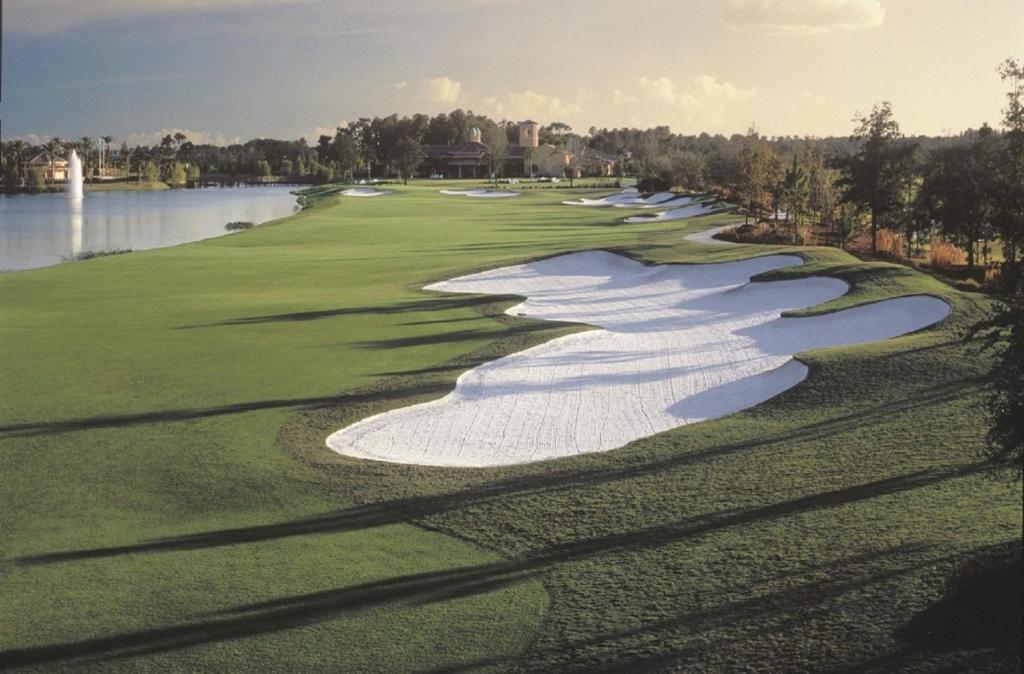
<point>168,502</point>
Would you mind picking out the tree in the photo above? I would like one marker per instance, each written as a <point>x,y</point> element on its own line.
<point>574,148</point>
<point>1007,184</point>
<point>822,194</point>
<point>263,168</point>
<point>36,179</point>
<point>496,143</point>
<point>16,151</point>
<point>953,195</point>
<point>53,146</point>
<point>86,145</point>
<point>149,171</point>
<point>108,140</point>
<point>178,174</point>
<point>406,156</point>
<point>323,147</point>
<point>795,193</point>
<point>1006,405</point>
<point>873,177</point>
<point>755,174</point>
<point>346,151</point>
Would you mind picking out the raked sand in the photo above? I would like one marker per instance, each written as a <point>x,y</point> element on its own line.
<point>486,194</point>
<point>674,345</point>
<point>364,192</point>
<point>681,213</point>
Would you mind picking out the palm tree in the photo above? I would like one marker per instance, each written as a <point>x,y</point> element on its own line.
<point>107,140</point>
<point>18,148</point>
<point>85,144</point>
<point>53,146</point>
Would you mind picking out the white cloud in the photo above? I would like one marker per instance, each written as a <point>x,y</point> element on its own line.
<point>817,99</point>
<point>803,16</point>
<point>529,103</point>
<point>441,89</point>
<point>313,135</point>
<point>400,85</point>
<point>197,137</point>
<point>701,104</point>
<point>619,97</point>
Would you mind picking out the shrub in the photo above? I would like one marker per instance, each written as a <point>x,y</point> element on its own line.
<point>943,255</point>
<point>652,184</point>
<point>234,226</point>
<point>760,232</point>
<point>891,244</point>
<point>37,179</point>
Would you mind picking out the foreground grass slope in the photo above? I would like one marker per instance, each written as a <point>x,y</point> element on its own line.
<point>153,522</point>
<point>126,421</point>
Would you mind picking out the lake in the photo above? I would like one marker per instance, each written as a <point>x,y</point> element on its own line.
<point>38,230</point>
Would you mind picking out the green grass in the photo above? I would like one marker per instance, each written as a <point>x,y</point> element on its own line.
<point>119,187</point>
<point>167,501</point>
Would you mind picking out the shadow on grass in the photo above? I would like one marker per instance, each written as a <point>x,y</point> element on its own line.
<point>160,416</point>
<point>419,305</point>
<point>402,510</point>
<point>295,611</point>
<point>455,336</point>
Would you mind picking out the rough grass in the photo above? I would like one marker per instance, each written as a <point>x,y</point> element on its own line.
<point>153,523</point>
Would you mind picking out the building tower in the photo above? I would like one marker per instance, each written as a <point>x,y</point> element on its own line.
<point>474,134</point>
<point>529,133</point>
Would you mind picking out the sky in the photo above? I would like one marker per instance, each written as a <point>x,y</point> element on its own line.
<point>228,70</point>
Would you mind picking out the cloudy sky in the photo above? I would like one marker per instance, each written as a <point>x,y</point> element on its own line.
<point>227,69</point>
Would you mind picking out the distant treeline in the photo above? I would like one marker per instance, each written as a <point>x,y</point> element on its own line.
<point>966,187</point>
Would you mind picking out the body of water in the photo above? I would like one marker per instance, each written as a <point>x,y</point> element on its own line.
<point>38,230</point>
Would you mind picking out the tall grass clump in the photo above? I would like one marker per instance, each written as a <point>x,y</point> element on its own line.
<point>943,255</point>
<point>890,243</point>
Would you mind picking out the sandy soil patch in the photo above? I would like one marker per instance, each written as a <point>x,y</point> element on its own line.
<point>675,345</point>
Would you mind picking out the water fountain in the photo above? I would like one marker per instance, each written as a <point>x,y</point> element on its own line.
<point>74,176</point>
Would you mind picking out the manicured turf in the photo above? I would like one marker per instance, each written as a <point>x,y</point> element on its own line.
<point>167,501</point>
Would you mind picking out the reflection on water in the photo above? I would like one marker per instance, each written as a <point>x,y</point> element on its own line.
<point>38,230</point>
<point>75,220</point>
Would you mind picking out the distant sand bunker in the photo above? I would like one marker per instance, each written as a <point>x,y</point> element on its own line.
<point>677,344</point>
<point>365,192</point>
<point>492,194</point>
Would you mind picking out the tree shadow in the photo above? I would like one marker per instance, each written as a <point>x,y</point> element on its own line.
<point>783,607</point>
<point>426,304</point>
<point>158,416</point>
<point>412,508</point>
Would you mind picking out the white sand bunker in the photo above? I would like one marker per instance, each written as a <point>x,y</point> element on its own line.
<point>631,198</point>
<point>690,211</point>
<point>676,201</point>
<point>365,192</point>
<point>626,196</point>
<point>494,194</point>
<point>677,344</point>
<point>708,236</point>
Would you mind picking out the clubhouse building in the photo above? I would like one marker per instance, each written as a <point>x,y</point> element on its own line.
<point>529,158</point>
